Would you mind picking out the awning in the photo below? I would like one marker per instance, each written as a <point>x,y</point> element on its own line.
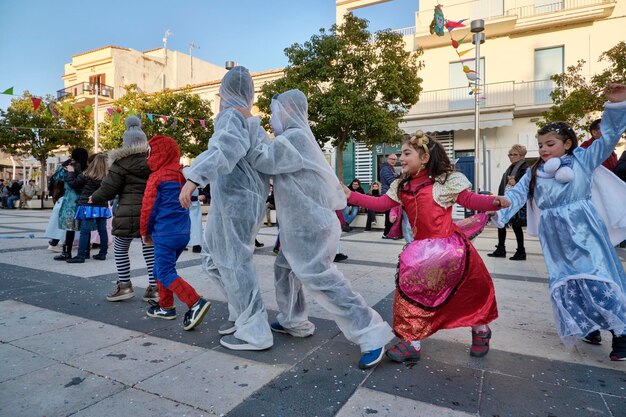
<point>466,122</point>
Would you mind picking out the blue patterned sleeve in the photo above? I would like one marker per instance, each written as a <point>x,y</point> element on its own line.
<point>518,196</point>
<point>612,126</point>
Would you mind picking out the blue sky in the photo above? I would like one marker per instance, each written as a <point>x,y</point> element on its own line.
<point>37,37</point>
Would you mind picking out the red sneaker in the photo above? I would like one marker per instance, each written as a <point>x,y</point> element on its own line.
<point>480,343</point>
<point>403,352</point>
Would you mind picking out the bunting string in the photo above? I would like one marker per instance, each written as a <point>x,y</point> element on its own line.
<point>115,114</point>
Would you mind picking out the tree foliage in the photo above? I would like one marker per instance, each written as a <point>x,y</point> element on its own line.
<point>191,138</point>
<point>359,85</point>
<point>578,98</point>
<point>25,131</point>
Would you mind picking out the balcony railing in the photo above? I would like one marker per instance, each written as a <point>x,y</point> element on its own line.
<point>81,89</point>
<point>494,95</point>
<point>557,6</point>
<point>498,9</point>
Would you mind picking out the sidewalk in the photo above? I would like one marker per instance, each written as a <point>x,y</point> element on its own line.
<point>65,350</point>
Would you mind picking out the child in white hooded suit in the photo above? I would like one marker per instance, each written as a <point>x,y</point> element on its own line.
<point>306,200</point>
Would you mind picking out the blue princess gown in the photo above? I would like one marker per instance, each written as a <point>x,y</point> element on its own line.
<point>586,278</point>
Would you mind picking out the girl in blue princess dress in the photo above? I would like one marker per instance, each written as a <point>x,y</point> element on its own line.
<point>587,282</point>
<point>90,216</point>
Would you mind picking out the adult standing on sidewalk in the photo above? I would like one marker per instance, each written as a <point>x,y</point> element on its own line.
<point>387,176</point>
<point>511,176</point>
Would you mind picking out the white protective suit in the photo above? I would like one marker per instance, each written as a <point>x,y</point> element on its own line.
<point>306,201</point>
<point>238,194</point>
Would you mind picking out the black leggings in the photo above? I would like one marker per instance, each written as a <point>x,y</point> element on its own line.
<point>69,238</point>
<point>519,236</point>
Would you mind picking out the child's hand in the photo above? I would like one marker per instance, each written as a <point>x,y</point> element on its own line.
<point>90,201</point>
<point>490,213</point>
<point>185,194</point>
<point>69,168</point>
<point>393,219</point>
<point>346,191</point>
<point>246,113</point>
<point>615,93</point>
<point>147,240</point>
<point>501,201</point>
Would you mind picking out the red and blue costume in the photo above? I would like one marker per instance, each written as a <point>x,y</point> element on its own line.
<point>166,221</point>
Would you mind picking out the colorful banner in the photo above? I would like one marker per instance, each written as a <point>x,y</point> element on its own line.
<point>36,102</point>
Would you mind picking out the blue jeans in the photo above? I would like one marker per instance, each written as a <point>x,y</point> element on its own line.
<point>86,226</point>
<point>10,201</point>
<point>349,213</point>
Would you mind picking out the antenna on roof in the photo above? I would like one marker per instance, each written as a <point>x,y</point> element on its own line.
<point>167,35</point>
<point>192,46</point>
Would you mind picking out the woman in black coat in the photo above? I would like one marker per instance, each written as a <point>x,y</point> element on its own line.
<point>511,176</point>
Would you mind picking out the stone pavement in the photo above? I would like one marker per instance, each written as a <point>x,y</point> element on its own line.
<point>65,350</point>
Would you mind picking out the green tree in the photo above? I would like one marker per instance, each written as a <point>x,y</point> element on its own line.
<point>25,131</point>
<point>359,85</point>
<point>192,138</point>
<point>578,98</point>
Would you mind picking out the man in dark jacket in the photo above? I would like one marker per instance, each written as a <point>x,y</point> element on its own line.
<point>128,173</point>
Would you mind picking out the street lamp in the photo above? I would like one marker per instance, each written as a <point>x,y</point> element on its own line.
<point>95,116</point>
<point>478,37</point>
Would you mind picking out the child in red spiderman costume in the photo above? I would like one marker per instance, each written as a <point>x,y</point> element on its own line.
<point>166,224</point>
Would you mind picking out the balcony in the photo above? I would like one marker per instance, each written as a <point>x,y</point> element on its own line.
<point>84,92</point>
<point>527,97</point>
<point>509,17</point>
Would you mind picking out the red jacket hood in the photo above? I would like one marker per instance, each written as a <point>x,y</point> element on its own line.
<point>163,153</point>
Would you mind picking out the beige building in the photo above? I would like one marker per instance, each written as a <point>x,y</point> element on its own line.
<point>112,68</point>
<point>526,42</point>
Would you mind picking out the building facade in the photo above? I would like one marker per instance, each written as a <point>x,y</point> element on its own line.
<point>527,41</point>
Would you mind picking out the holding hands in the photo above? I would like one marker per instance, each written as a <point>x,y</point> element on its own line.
<point>185,194</point>
<point>501,201</point>
<point>346,191</point>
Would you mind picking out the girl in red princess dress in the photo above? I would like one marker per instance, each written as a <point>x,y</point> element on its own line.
<point>442,282</point>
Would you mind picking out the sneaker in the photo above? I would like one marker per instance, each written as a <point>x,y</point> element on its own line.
<point>258,244</point>
<point>53,248</point>
<point>227,328</point>
<point>340,257</point>
<point>371,358</point>
<point>593,338</point>
<point>152,293</point>
<point>480,343</point>
<point>232,343</point>
<point>156,311</point>
<point>276,327</point>
<point>404,352</point>
<point>99,257</point>
<point>123,291</point>
<point>196,313</point>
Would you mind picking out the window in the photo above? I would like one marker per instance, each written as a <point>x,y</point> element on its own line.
<point>458,95</point>
<point>548,61</point>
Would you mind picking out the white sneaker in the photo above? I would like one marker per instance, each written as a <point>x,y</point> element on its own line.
<point>57,248</point>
